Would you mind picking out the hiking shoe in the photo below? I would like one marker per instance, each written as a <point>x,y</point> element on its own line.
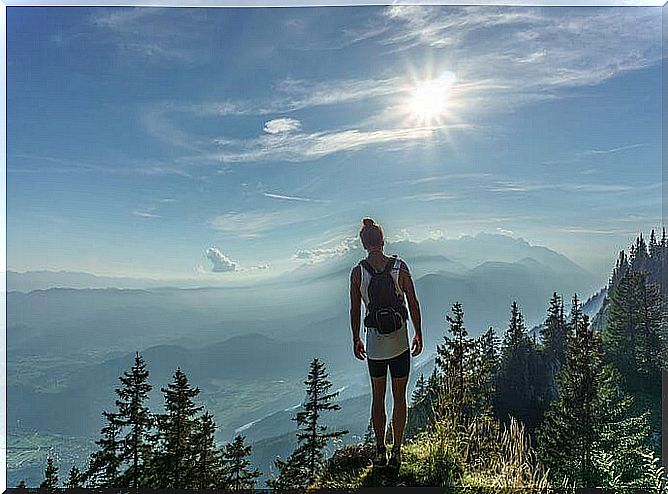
<point>395,458</point>
<point>380,458</point>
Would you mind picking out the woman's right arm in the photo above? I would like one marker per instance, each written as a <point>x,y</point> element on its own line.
<point>355,309</point>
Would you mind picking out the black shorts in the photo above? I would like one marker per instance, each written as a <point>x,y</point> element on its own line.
<point>399,366</point>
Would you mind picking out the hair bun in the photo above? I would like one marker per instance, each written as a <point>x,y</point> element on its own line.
<point>368,222</point>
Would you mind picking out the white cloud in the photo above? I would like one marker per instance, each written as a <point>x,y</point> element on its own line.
<point>612,150</point>
<point>174,35</point>
<point>255,224</point>
<point>282,125</point>
<point>145,214</point>
<point>259,267</point>
<point>221,263</point>
<point>284,197</point>
<point>324,253</point>
<point>527,54</point>
<point>307,147</point>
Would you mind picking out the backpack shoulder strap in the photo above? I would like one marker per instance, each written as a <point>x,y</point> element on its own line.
<point>365,264</point>
<point>397,263</point>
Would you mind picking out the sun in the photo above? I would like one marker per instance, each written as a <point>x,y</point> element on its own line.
<point>428,99</point>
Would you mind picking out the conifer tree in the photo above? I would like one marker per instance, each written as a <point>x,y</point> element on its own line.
<point>105,463</point>
<point>590,417</point>
<point>237,472</point>
<point>484,373</point>
<point>312,433</point>
<point>134,416</point>
<point>633,340</point>
<point>554,335</point>
<point>176,429</point>
<point>207,458</point>
<point>420,390</point>
<point>519,378</point>
<point>292,472</point>
<point>306,461</point>
<point>455,361</point>
<point>74,479</point>
<point>50,481</point>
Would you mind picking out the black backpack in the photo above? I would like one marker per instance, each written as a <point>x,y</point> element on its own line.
<point>386,312</point>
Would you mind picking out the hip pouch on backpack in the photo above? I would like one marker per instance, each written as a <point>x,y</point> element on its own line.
<point>386,312</point>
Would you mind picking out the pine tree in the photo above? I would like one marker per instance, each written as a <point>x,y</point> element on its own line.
<point>633,340</point>
<point>515,385</point>
<point>237,473</point>
<point>589,418</point>
<point>420,390</point>
<point>50,481</point>
<point>105,463</point>
<point>554,335</point>
<point>306,461</point>
<point>207,457</point>
<point>484,372</point>
<point>74,479</point>
<point>176,428</point>
<point>369,436</point>
<point>134,415</point>
<point>292,472</point>
<point>455,361</point>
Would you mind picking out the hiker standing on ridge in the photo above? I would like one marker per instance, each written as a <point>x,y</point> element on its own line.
<point>384,284</point>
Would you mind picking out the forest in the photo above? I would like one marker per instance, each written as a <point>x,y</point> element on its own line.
<point>572,403</point>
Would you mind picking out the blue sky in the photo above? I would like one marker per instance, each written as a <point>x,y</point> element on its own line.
<point>222,143</point>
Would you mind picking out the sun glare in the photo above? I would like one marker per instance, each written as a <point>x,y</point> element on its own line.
<point>428,100</point>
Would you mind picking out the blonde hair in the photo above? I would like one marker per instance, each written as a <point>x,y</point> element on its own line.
<point>371,234</point>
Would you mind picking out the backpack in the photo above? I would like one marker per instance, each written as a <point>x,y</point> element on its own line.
<point>386,312</point>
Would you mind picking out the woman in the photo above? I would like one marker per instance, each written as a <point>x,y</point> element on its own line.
<point>384,348</point>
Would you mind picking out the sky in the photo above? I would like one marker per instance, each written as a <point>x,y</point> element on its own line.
<point>224,143</point>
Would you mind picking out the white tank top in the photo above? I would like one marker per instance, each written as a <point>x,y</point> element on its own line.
<point>383,346</point>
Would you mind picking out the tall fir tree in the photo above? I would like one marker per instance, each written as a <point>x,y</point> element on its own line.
<point>50,481</point>
<point>105,463</point>
<point>554,335</point>
<point>176,428</point>
<point>520,378</point>
<point>589,422</point>
<point>633,340</point>
<point>134,417</point>
<point>455,361</point>
<point>305,463</point>
<point>484,373</point>
<point>208,459</point>
<point>238,474</point>
<point>420,390</point>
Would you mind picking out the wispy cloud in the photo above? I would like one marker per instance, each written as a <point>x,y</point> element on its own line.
<point>530,53</point>
<point>612,150</point>
<point>591,188</point>
<point>284,197</point>
<point>306,147</point>
<point>173,35</point>
<point>145,214</point>
<point>257,223</point>
<point>429,197</point>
